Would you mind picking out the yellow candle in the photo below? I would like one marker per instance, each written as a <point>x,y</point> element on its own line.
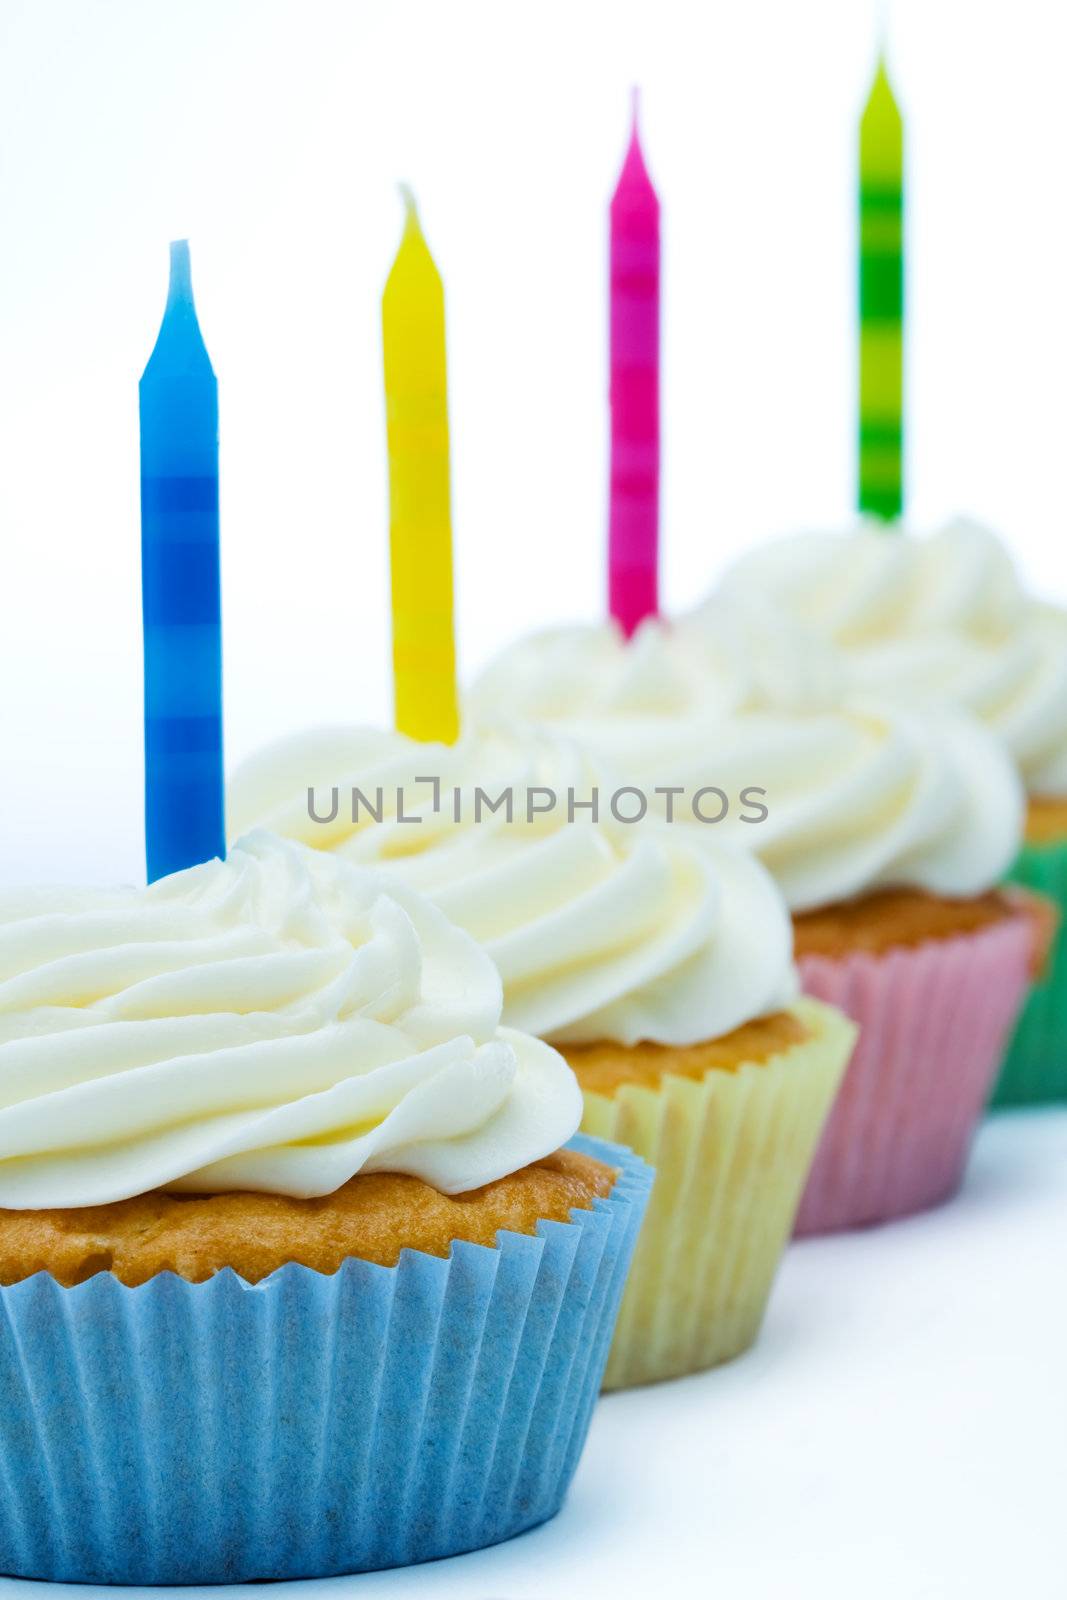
<point>420,513</point>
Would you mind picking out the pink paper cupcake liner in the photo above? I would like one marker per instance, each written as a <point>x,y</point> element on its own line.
<point>935,1020</point>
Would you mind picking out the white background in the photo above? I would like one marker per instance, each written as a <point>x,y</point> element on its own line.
<point>900,1430</point>
<point>273,133</point>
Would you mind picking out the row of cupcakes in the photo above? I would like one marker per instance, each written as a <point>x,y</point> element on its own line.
<point>280,1141</point>
<point>304,1265</point>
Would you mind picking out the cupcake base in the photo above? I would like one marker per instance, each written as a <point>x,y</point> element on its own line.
<point>306,1425</point>
<point>934,1021</point>
<point>375,1216</point>
<point>731,1152</point>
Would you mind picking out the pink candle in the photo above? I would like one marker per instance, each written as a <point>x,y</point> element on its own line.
<point>633,527</point>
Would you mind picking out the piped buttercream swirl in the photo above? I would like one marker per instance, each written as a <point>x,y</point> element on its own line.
<point>942,619</point>
<point>862,790</point>
<point>278,1021</point>
<point>601,929</point>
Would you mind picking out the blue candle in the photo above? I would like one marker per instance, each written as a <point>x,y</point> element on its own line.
<point>184,820</point>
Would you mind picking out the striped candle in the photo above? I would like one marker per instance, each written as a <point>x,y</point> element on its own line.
<point>184,820</point>
<point>881,301</point>
<point>633,524</point>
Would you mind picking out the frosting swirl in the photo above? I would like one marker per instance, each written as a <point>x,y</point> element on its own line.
<point>732,657</point>
<point>861,792</point>
<point>941,619</point>
<point>601,929</point>
<point>860,798</point>
<point>278,1021</point>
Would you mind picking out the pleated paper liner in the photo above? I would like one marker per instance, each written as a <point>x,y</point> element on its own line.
<point>1036,1066</point>
<point>731,1154</point>
<point>934,1024</point>
<point>307,1425</point>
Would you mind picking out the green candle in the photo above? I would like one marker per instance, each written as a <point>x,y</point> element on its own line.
<point>881,301</point>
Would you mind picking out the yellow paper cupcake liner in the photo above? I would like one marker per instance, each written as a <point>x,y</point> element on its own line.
<point>731,1153</point>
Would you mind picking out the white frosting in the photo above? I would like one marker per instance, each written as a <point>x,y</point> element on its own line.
<point>861,792</point>
<point>600,930</point>
<point>746,659</point>
<point>857,799</point>
<point>942,619</point>
<point>278,1021</point>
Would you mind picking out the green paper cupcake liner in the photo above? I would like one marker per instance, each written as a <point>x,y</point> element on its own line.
<point>1035,1068</point>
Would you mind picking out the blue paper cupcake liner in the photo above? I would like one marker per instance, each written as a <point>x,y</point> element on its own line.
<point>307,1425</point>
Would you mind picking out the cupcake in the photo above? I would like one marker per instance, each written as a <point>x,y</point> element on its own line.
<point>887,830</point>
<point>296,1276</point>
<point>661,969</point>
<point>945,620</point>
